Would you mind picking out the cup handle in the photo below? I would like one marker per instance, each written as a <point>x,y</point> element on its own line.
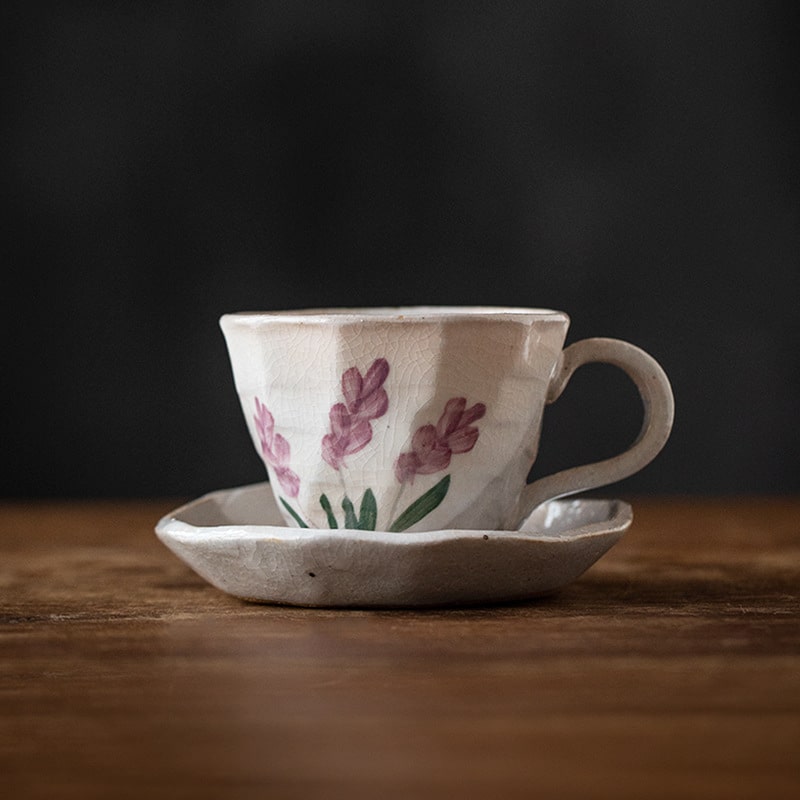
<point>659,411</point>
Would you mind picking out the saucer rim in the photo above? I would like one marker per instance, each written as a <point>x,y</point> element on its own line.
<point>344,568</point>
<point>619,520</point>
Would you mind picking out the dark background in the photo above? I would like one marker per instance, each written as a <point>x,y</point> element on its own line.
<point>634,164</point>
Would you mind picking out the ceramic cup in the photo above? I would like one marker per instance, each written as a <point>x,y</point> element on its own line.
<point>422,418</point>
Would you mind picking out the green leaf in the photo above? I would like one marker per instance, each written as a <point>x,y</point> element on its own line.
<point>294,514</point>
<point>422,506</point>
<point>368,515</point>
<point>326,507</point>
<point>350,519</point>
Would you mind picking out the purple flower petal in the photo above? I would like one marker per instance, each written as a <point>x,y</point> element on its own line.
<point>359,438</point>
<point>275,450</point>
<point>289,481</point>
<point>341,421</point>
<point>281,450</point>
<point>451,417</point>
<point>364,401</point>
<point>265,424</point>
<point>374,406</point>
<point>424,440</point>
<point>435,460</point>
<point>462,440</point>
<point>332,453</point>
<point>472,414</point>
<point>432,448</point>
<point>431,454</point>
<point>376,375</point>
<point>405,467</point>
<point>352,384</point>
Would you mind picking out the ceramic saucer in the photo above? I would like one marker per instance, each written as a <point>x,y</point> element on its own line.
<point>237,540</point>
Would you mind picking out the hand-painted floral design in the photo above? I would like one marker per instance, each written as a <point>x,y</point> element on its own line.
<point>365,400</point>
<point>432,446</point>
<point>275,450</point>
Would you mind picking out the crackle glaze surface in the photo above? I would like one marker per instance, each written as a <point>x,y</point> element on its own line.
<point>415,419</point>
<point>236,540</point>
<point>422,418</point>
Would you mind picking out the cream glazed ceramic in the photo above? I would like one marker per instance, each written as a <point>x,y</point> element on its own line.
<point>422,418</point>
<point>236,540</point>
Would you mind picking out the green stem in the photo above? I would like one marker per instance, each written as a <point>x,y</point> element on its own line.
<point>326,507</point>
<point>350,518</point>
<point>296,516</point>
<point>422,506</point>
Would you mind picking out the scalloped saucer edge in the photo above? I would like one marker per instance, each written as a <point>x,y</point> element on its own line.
<point>237,540</point>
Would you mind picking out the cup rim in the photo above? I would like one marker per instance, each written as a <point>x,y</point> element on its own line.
<point>393,315</point>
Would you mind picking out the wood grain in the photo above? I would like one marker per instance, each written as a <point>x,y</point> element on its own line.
<point>671,669</point>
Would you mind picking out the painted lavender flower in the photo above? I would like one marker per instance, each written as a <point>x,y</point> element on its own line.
<point>432,446</point>
<point>275,450</point>
<point>365,400</point>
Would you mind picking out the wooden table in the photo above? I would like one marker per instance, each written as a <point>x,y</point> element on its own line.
<point>671,669</point>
